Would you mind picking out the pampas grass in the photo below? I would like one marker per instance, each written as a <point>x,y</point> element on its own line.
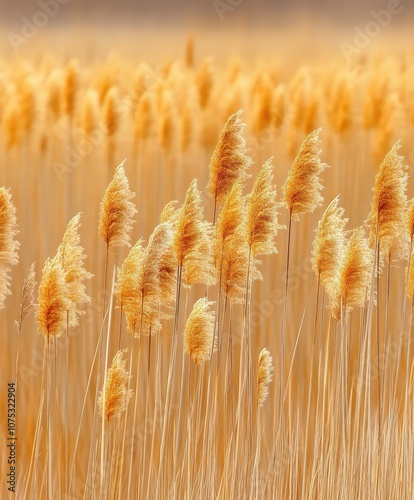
<point>190,306</point>
<point>8,245</point>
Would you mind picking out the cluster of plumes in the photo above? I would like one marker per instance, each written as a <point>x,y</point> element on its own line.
<point>229,162</point>
<point>328,246</point>
<point>303,186</point>
<point>264,376</point>
<point>343,267</point>
<point>139,283</point>
<point>62,289</point>
<point>8,245</point>
<point>117,211</point>
<point>355,272</point>
<point>245,227</point>
<point>27,303</point>
<point>114,396</point>
<point>199,331</point>
<point>389,207</point>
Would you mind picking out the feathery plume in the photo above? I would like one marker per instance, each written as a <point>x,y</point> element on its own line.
<point>354,275</point>
<point>139,282</point>
<point>8,245</point>
<point>235,265</point>
<point>117,211</point>
<point>262,213</point>
<point>199,331</point>
<point>192,241</point>
<point>328,245</point>
<point>388,209</point>
<point>229,161</point>
<point>231,216</point>
<point>114,396</point>
<point>168,263</point>
<point>27,303</point>
<point>302,187</point>
<point>72,258</point>
<point>264,376</point>
<point>52,302</point>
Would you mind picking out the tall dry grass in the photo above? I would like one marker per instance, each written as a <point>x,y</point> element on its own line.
<point>251,339</point>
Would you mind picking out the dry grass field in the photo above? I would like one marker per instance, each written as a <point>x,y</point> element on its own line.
<point>206,276</point>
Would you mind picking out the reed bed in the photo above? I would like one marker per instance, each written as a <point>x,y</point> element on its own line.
<point>193,304</point>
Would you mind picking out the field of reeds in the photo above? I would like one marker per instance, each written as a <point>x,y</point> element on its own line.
<point>206,276</point>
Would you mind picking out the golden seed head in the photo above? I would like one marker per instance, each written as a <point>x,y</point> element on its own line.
<point>264,376</point>
<point>302,187</point>
<point>199,331</point>
<point>114,396</point>
<point>117,211</point>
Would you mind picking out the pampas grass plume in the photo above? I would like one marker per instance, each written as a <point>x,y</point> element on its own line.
<point>264,376</point>
<point>199,331</point>
<point>114,396</point>
<point>117,211</point>
<point>302,187</point>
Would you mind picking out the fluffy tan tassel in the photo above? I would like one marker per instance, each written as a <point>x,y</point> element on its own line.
<point>262,213</point>
<point>329,244</point>
<point>117,211</point>
<point>199,331</point>
<point>114,396</point>
<point>302,187</point>
<point>72,259</point>
<point>8,245</point>
<point>264,376</point>
<point>388,209</point>
<point>53,302</point>
<point>229,162</point>
<point>354,275</point>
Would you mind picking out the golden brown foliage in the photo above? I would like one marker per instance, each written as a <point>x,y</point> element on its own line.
<point>8,245</point>
<point>231,216</point>
<point>229,161</point>
<point>328,245</point>
<point>53,303</point>
<point>27,303</point>
<point>264,376</point>
<point>192,241</point>
<point>138,288</point>
<point>302,187</point>
<point>389,205</point>
<point>354,275</point>
<point>72,259</point>
<point>235,266</point>
<point>117,211</point>
<point>262,214</point>
<point>114,396</point>
<point>199,331</point>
